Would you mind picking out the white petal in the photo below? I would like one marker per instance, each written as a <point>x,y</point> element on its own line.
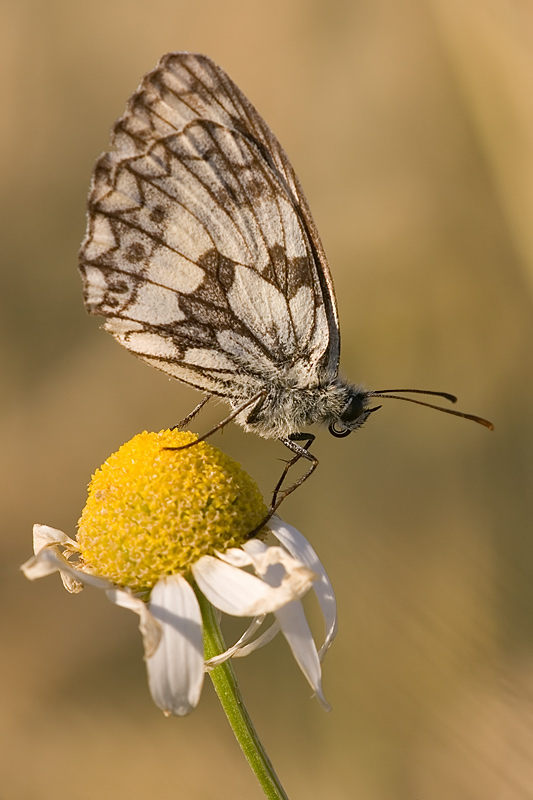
<point>238,646</point>
<point>77,575</point>
<point>235,556</point>
<point>300,548</point>
<point>296,630</point>
<point>44,535</point>
<point>265,638</point>
<point>243,595</point>
<point>264,557</point>
<point>254,548</point>
<point>50,560</point>
<point>72,585</point>
<point>176,669</point>
<point>38,567</point>
<point>148,625</point>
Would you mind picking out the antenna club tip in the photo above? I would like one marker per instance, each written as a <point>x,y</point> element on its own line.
<point>480,420</point>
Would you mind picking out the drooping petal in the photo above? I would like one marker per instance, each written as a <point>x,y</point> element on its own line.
<point>254,548</point>
<point>262,556</point>
<point>298,634</point>
<point>50,560</point>
<point>293,623</point>
<point>265,638</point>
<point>176,669</point>
<point>300,548</point>
<point>234,650</point>
<point>236,557</point>
<point>39,567</point>
<point>243,595</point>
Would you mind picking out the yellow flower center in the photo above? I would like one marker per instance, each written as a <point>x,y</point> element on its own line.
<point>153,512</point>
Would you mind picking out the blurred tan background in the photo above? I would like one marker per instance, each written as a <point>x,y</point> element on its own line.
<point>411,128</point>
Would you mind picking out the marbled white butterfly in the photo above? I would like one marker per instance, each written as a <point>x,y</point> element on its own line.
<point>202,254</point>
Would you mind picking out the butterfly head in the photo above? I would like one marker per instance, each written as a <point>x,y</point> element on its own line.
<point>353,415</point>
<point>355,411</point>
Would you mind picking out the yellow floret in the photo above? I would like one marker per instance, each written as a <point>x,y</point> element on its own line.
<point>153,512</point>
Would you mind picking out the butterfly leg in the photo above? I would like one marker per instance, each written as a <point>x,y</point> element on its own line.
<point>222,424</point>
<point>300,451</point>
<point>185,421</point>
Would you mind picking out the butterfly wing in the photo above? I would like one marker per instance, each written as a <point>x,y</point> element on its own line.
<point>200,249</point>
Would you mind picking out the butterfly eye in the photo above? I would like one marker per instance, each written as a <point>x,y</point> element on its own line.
<point>339,431</point>
<point>353,410</point>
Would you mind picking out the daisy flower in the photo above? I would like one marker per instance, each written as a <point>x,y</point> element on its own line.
<point>172,534</point>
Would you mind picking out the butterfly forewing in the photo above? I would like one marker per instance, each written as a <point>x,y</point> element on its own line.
<point>200,249</point>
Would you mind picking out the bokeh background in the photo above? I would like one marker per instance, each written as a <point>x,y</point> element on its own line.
<point>411,128</point>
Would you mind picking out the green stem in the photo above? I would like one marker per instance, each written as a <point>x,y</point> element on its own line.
<point>227,689</point>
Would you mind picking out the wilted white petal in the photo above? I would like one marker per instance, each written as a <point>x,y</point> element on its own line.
<point>233,650</point>
<point>50,560</point>
<point>243,595</point>
<point>44,535</point>
<point>176,669</point>
<point>148,625</point>
<point>72,585</point>
<point>255,548</point>
<point>235,556</point>
<point>265,638</point>
<point>38,567</point>
<point>300,548</point>
<point>261,556</point>
<point>264,557</point>
<point>296,630</point>
<point>78,575</point>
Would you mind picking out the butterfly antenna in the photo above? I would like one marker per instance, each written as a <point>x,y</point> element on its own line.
<point>385,393</point>
<point>446,395</point>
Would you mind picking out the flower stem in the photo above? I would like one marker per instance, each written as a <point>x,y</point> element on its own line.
<point>227,689</point>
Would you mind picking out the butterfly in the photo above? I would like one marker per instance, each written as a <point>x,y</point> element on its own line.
<point>202,254</point>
